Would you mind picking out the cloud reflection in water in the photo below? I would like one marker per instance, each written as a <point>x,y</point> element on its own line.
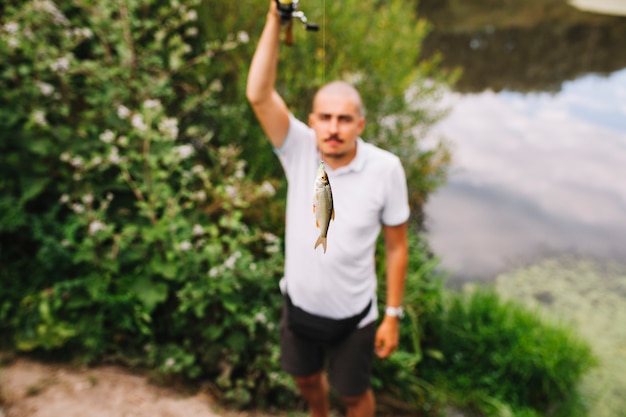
<point>534,175</point>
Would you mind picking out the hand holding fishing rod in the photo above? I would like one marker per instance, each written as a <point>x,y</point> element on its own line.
<point>288,10</point>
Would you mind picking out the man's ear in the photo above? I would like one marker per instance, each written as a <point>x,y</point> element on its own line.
<point>361,124</point>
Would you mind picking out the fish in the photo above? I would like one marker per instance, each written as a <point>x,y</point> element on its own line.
<point>322,205</point>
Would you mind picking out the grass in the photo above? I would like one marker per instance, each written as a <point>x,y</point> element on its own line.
<point>591,296</point>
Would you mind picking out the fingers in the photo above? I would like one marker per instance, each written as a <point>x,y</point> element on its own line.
<point>383,352</point>
<point>386,343</point>
<point>273,7</point>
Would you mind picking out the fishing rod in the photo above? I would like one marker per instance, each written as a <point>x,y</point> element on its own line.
<point>288,10</point>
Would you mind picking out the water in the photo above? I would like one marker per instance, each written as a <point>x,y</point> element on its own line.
<point>535,175</point>
<point>538,130</point>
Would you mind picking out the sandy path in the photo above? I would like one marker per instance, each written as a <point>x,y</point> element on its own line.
<point>30,389</point>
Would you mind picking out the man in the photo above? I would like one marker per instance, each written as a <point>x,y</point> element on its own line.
<point>369,193</point>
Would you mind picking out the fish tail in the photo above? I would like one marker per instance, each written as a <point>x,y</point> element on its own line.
<point>320,240</point>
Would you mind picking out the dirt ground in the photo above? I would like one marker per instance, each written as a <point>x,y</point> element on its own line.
<point>33,389</point>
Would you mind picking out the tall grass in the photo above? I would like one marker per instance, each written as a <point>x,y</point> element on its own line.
<point>504,359</point>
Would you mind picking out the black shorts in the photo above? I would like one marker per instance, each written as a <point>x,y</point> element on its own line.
<point>349,361</point>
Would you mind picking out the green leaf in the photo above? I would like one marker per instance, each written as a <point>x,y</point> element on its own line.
<point>149,292</point>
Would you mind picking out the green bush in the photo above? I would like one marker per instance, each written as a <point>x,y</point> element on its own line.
<point>500,356</point>
<point>127,222</point>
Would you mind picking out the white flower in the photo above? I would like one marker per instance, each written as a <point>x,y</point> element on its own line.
<point>239,169</point>
<point>197,230</point>
<point>213,272</point>
<point>170,362</point>
<point>107,136</point>
<point>96,161</point>
<point>184,151</point>
<point>169,127</point>
<point>191,16</point>
<point>231,191</point>
<point>64,198</point>
<point>13,42</point>
<point>48,6</point>
<point>65,157</point>
<point>138,123</point>
<point>61,65</point>
<point>243,37</point>
<point>267,188</point>
<point>199,196</point>
<point>122,111</point>
<point>152,104</point>
<point>45,88</point>
<point>82,33</point>
<point>114,156</point>
<point>11,27</point>
<point>76,162</point>
<point>197,169</point>
<point>77,208</point>
<point>260,317</point>
<point>270,238</point>
<point>229,45</point>
<point>87,198</point>
<point>39,116</point>
<point>274,248</point>
<point>96,226</point>
<point>186,245</point>
<point>230,262</point>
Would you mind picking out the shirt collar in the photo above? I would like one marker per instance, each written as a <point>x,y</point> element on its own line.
<point>357,163</point>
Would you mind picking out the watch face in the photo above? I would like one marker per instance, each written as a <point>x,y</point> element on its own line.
<point>394,311</point>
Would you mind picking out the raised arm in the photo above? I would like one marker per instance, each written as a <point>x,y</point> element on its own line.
<point>268,106</point>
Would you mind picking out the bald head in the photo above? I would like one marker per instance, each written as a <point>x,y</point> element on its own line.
<point>341,89</point>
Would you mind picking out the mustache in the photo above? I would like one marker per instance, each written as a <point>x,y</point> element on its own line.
<point>333,137</point>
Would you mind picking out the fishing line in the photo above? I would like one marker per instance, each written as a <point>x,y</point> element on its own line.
<point>324,44</point>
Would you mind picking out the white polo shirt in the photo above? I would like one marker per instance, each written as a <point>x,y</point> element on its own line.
<point>367,193</point>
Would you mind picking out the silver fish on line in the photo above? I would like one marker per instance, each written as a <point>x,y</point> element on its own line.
<point>322,205</point>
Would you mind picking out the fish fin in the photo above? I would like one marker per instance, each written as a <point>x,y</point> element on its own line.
<point>332,214</point>
<point>317,224</point>
<point>321,240</point>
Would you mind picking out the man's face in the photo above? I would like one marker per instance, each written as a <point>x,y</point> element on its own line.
<point>337,124</point>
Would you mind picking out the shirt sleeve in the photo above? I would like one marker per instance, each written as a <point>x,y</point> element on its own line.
<point>296,146</point>
<point>396,210</point>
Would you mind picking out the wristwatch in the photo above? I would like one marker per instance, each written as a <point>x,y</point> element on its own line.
<point>394,312</point>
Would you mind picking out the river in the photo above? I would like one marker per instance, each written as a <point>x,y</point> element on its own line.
<point>538,132</point>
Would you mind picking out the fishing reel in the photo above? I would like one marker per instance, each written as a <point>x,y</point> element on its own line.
<point>288,10</point>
